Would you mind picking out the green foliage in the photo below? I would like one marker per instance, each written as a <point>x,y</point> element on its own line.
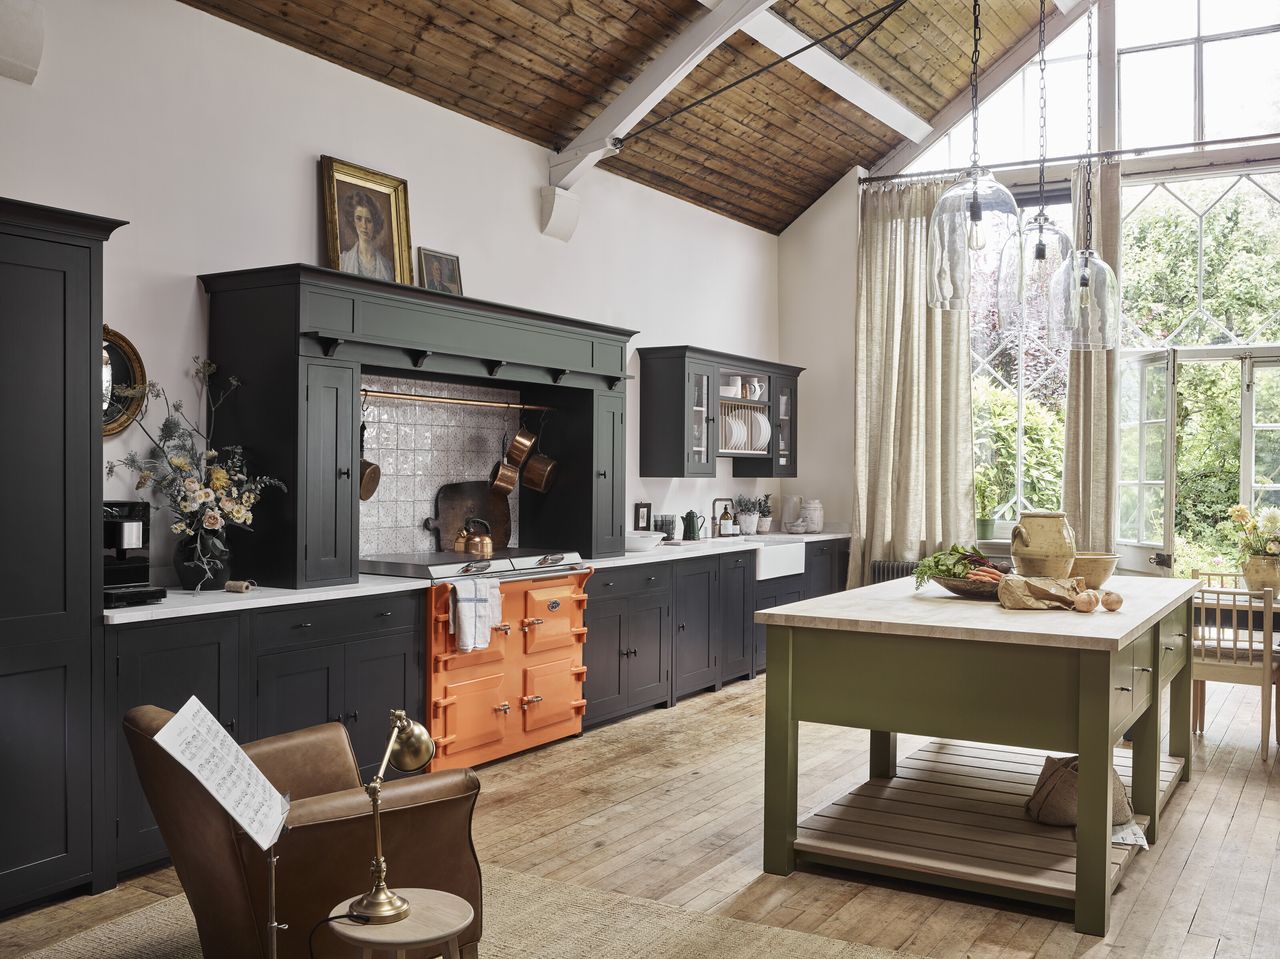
<point>995,433</point>
<point>746,504</point>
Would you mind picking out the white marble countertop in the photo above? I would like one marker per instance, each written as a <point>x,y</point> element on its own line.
<point>182,603</point>
<point>895,608</point>
<point>706,547</point>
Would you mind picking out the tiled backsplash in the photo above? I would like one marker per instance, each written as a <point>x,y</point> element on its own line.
<point>420,447</point>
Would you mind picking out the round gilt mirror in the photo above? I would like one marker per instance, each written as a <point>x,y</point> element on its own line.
<point>121,367</point>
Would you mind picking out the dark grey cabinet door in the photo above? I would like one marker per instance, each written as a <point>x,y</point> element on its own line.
<point>605,656</point>
<point>820,568</point>
<point>44,745</point>
<point>610,474</point>
<point>701,409</point>
<point>649,647</point>
<point>329,546</point>
<point>697,619</point>
<point>164,665</point>
<point>737,631</point>
<point>300,688</point>
<point>786,443</point>
<point>380,676</point>
<point>771,593</point>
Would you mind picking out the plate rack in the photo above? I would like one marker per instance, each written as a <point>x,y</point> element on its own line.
<point>751,436</point>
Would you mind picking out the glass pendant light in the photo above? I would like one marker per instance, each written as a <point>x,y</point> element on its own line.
<point>1084,295</point>
<point>1031,257</point>
<point>972,221</point>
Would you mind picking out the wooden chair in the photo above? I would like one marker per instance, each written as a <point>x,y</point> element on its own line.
<point>1233,642</point>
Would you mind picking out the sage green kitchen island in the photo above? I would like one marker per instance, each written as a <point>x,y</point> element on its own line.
<point>892,660</point>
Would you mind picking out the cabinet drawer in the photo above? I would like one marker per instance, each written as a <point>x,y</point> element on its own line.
<point>1173,643</point>
<point>323,622</point>
<point>1122,683</point>
<point>1143,667</point>
<point>629,579</point>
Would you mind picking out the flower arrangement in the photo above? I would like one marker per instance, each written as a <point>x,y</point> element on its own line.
<point>205,488</point>
<point>1258,534</point>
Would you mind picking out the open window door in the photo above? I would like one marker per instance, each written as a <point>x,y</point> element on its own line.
<point>1148,474</point>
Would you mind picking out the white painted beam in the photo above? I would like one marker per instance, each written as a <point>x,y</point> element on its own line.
<point>599,139</point>
<point>770,30</point>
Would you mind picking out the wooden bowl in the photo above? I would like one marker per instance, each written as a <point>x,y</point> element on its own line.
<point>968,588</point>
<point>1094,568</point>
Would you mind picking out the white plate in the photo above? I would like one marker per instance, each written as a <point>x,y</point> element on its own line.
<point>762,431</point>
<point>741,434</point>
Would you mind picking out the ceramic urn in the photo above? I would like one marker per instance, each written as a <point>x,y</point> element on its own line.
<point>1043,545</point>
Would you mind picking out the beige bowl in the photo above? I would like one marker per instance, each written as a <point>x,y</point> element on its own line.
<point>1096,568</point>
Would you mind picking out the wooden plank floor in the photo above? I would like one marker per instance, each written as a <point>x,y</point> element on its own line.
<point>955,811</point>
<point>667,805</point>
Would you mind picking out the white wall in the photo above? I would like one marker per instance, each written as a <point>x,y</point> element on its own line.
<point>817,292</point>
<point>206,137</point>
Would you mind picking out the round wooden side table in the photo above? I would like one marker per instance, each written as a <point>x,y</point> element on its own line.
<point>434,921</point>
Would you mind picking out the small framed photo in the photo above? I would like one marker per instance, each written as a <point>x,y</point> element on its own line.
<point>644,517</point>
<point>366,217</point>
<point>439,272</point>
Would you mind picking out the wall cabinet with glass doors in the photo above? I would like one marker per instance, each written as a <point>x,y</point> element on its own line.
<point>697,406</point>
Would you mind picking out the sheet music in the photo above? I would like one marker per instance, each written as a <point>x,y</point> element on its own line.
<point>197,740</point>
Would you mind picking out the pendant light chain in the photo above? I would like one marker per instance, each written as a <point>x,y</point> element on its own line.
<point>1044,104</point>
<point>973,77</point>
<point>1088,135</point>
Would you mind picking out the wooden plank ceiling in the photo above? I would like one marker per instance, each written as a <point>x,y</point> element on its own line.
<point>542,69</point>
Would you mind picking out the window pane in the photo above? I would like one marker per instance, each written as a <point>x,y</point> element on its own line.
<point>1241,84</point>
<point>1266,457</point>
<point>1157,97</point>
<point>1161,240</point>
<point>1221,16</point>
<point>1129,514</point>
<point>1266,394</point>
<point>1153,462</point>
<point>1153,514</point>
<point>1241,254</point>
<point>1129,453</point>
<point>1139,22</point>
<point>1155,378</point>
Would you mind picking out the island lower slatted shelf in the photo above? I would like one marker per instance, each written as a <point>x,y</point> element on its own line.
<point>955,813</point>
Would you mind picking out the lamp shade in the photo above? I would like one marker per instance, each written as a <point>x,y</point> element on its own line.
<point>413,747</point>
<point>1028,263</point>
<point>1084,304</point>
<point>967,232</point>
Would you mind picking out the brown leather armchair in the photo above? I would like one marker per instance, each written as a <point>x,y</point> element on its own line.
<point>326,849</point>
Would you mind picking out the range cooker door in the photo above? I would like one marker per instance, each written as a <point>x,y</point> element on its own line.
<point>471,713</point>
<point>553,617</point>
<point>553,694</point>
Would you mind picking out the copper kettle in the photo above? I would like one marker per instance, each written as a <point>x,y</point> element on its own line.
<point>478,543</point>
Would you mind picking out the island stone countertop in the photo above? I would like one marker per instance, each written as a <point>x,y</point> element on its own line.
<point>896,608</point>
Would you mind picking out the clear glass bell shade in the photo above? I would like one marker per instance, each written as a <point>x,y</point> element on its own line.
<point>1027,265</point>
<point>967,232</point>
<point>1084,304</point>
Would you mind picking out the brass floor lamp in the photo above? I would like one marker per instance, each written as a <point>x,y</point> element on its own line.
<point>409,749</point>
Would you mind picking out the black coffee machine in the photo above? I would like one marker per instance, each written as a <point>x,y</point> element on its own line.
<point>126,555</point>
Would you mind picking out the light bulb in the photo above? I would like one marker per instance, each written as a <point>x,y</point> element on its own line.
<point>977,235</point>
<point>1084,298</point>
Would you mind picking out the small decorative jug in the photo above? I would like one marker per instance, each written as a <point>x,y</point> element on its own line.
<point>1043,544</point>
<point>693,524</point>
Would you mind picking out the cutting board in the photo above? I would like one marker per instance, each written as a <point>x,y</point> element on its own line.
<point>457,501</point>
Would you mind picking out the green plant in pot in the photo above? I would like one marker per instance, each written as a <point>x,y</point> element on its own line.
<point>984,500</point>
<point>1259,537</point>
<point>207,489</point>
<point>765,522</point>
<point>748,510</point>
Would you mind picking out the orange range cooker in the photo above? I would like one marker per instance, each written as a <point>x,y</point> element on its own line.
<point>525,689</point>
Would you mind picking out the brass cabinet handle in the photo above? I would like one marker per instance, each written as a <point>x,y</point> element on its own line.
<point>1168,649</point>
<point>1124,689</point>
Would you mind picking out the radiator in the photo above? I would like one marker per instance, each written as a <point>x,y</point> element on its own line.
<point>883,570</point>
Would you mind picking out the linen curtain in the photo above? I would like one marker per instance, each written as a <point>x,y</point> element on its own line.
<point>1093,417</point>
<point>912,420</point>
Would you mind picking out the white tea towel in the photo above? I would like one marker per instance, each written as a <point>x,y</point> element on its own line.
<point>476,608</point>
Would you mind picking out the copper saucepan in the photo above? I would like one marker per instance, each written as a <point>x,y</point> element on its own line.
<point>504,477</point>
<point>370,473</point>
<point>539,472</point>
<point>519,447</point>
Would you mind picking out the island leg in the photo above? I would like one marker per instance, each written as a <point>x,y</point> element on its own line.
<point>781,745</point>
<point>884,754</point>
<point>1146,764</point>
<point>1180,698</point>
<point>1093,826</point>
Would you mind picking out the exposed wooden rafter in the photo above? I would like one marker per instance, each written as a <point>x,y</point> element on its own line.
<point>769,29</point>
<point>658,79</point>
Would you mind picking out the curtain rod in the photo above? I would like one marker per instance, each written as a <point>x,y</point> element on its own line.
<point>454,401</point>
<point>1102,155</point>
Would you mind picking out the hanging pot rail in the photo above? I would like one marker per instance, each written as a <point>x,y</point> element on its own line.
<point>453,401</point>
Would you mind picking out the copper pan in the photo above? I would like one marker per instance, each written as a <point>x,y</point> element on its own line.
<point>519,447</point>
<point>539,472</point>
<point>504,477</point>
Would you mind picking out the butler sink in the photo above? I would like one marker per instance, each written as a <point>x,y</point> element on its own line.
<point>774,559</point>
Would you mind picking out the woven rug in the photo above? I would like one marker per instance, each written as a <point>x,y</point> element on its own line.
<point>525,917</point>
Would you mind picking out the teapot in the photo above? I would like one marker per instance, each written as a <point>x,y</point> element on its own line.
<point>693,524</point>
<point>478,543</point>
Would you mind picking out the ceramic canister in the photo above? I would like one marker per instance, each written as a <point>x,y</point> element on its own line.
<point>1043,544</point>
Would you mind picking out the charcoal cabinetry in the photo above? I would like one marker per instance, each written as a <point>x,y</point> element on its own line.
<point>628,650</point>
<point>696,612</point>
<point>820,567</point>
<point>770,593</point>
<point>737,604</point>
<point>50,622</point>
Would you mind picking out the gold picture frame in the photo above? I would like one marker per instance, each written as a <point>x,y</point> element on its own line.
<point>366,217</point>
<point>121,367</point>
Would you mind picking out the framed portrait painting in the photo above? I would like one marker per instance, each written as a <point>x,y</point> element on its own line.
<point>439,272</point>
<point>366,221</point>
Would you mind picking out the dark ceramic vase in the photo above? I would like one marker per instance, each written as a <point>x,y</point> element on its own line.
<point>190,574</point>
